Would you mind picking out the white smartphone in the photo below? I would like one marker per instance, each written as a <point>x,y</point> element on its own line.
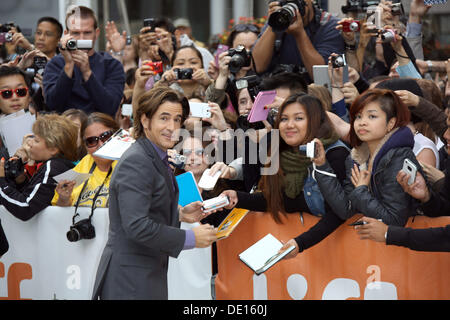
<point>200,110</point>
<point>320,74</point>
<point>208,182</point>
<point>215,203</point>
<point>410,168</point>
<point>127,110</point>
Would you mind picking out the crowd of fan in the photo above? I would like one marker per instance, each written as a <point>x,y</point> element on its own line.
<point>383,103</point>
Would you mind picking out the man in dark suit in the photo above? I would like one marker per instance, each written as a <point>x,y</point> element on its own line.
<point>144,213</point>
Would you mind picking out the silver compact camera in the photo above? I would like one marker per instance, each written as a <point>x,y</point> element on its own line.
<point>73,44</point>
<point>178,161</point>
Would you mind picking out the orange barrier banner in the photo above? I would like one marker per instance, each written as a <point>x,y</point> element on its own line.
<point>340,267</point>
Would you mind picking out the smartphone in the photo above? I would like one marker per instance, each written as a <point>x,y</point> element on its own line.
<point>320,74</point>
<point>208,182</point>
<point>220,49</point>
<point>200,110</point>
<point>410,168</point>
<point>127,110</point>
<point>215,203</point>
<point>149,22</point>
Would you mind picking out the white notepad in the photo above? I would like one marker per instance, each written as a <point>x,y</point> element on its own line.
<point>264,254</point>
<point>71,175</point>
<point>115,147</point>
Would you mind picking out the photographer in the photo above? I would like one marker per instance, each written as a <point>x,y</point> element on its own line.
<point>80,77</point>
<point>225,75</point>
<point>187,74</point>
<point>308,40</point>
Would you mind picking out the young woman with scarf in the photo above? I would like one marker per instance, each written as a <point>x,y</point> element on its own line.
<point>292,189</point>
<point>381,142</point>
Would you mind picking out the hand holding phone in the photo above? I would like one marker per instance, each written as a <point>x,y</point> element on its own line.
<point>410,168</point>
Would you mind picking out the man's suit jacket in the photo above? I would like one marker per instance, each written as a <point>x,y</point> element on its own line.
<point>144,228</point>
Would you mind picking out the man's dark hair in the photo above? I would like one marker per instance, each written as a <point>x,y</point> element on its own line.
<point>289,80</point>
<point>165,23</point>
<point>55,22</point>
<point>6,71</point>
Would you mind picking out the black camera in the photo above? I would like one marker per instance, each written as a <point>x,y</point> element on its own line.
<point>83,229</point>
<point>252,83</point>
<point>281,19</point>
<point>338,61</point>
<point>239,58</point>
<point>150,22</point>
<point>13,168</point>
<point>184,74</point>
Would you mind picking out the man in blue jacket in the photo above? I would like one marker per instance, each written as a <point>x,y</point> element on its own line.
<point>83,78</point>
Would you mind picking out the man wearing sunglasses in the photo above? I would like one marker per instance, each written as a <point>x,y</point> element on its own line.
<point>82,78</point>
<point>14,95</point>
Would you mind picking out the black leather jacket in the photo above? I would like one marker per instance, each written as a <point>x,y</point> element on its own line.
<point>384,198</point>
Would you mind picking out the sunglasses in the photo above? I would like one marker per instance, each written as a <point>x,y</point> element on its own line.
<point>243,27</point>
<point>8,93</point>
<point>93,141</point>
<point>188,152</point>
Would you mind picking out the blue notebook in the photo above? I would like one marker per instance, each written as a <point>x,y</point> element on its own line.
<point>188,189</point>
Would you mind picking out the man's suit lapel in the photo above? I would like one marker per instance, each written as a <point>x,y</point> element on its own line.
<point>162,168</point>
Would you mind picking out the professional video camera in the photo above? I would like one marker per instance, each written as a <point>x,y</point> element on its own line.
<point>239,58</point>
<point>281,19</point>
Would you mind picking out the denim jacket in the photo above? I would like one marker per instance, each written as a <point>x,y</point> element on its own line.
<point>311,190</point>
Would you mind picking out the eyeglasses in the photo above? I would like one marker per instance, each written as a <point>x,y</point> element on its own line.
<point>188,152</point>
<point>243,27</point>
<point>93,141</point>
<point>8,93</point>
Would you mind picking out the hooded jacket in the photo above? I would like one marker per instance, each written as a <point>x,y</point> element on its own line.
<point>384,198</point>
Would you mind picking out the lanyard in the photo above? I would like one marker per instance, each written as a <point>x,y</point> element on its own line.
<point>93,206</point>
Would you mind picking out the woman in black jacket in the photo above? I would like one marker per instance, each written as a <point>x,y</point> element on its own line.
<point>292,189</point>
<point>381,143</point>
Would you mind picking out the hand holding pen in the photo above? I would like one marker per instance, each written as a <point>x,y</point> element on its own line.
<point>372,229</point>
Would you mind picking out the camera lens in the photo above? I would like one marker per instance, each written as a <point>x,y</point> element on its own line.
<point>71,44</point>
<point>387,37</point>
<point>354,26</point>
<point>236,63</point>
<point>281,19</point>
<point>73,235</point>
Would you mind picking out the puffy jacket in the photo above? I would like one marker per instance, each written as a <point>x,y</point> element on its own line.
<point>384,198</point>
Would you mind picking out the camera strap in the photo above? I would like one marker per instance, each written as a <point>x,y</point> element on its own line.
<point>93,206</point>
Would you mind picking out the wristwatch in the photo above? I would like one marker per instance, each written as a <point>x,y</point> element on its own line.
<point>430,66</point>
